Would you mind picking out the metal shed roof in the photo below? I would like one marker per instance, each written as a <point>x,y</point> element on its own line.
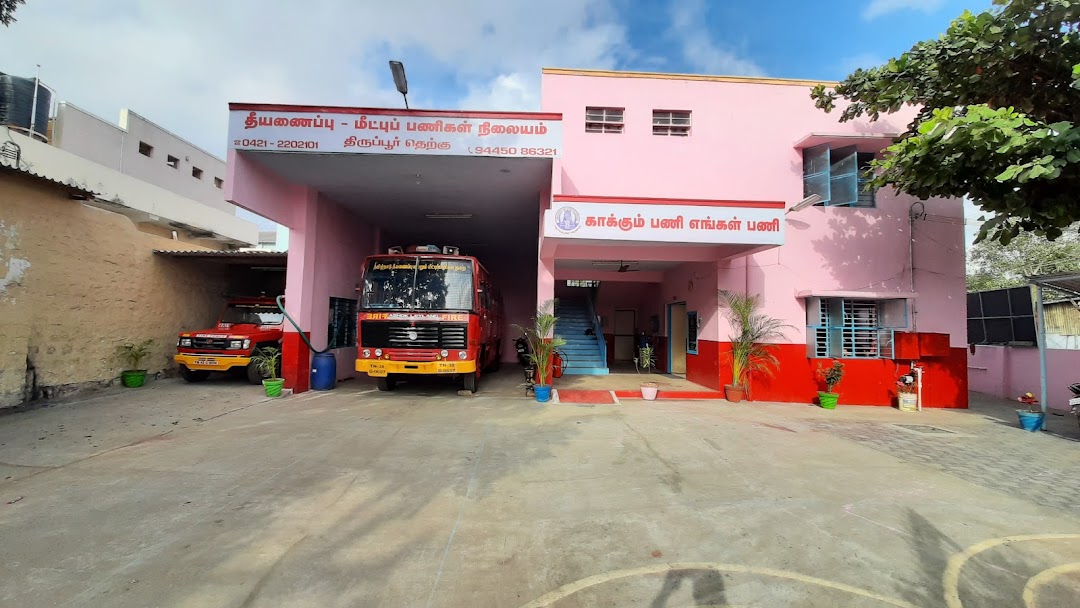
<point>263,258</point>
<point>1067,282</point>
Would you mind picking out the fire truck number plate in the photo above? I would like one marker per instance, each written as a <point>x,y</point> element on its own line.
<point>445,368</point>
<point>377,369</point>
<point>205,361</point>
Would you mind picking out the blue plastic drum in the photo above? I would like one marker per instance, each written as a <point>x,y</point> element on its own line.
<point>323,371</point>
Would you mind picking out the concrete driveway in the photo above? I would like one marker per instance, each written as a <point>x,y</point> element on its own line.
<point>211,495</point>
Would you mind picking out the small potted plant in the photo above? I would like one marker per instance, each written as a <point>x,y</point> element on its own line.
<point>647,359</point>
<point>542,344</point>
<point>752,333</point>
<point>831,376</point>
<point>132,354</point>
<point>1032,416</point>
<point>907,398</point>
<point>268,361</point>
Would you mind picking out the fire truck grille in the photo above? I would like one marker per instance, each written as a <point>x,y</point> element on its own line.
<point>375,334</point>
<point>210,343</point>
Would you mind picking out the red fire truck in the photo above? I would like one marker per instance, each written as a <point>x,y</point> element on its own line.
<point>427,310</point>
<point>245,325</point>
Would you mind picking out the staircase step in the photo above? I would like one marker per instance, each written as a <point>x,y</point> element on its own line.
<point>585,371</point>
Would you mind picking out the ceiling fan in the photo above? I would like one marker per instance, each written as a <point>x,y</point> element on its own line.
<point>623,265</point>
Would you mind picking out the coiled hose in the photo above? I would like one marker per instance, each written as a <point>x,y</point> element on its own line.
<point>303,336</point>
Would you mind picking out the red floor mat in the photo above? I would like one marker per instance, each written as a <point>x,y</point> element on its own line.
<point>568,395</point>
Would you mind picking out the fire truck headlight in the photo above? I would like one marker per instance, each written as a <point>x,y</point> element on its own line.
<point>378,352</point>
<point>185,342</point>
<point>462,355</point>
<point>444,354</point>
<point>367,353</point>
<point>236,344</point>
<point>247,344</point>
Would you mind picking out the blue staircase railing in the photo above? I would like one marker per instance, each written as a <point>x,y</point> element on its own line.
<point>598,329</point>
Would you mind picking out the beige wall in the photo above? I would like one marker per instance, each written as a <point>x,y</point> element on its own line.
<point>76,281</point>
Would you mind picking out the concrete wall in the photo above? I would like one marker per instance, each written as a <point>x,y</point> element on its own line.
<point>78,281</point>
<point>117,147</point>
<point>1008,372</point>
<point>742,148</point>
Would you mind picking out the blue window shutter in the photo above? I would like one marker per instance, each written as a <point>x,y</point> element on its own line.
<point>844,177</point>
<point>816,172</point>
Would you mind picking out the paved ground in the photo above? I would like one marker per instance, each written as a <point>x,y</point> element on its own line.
<point>211,495</point>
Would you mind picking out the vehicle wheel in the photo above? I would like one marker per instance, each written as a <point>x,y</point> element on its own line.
<point>385,383</point>
<point>193,375</point>
<point>471,381</point>
<point>254,374</point>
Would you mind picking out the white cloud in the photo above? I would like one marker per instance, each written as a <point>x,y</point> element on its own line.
<point>698,47</point>
<point>878,8</point>
<point>864,61</point>
<point>180,63</point>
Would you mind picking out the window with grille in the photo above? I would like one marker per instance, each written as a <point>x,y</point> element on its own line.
<point>841,177</point>
<point>603,120</point>
<point>669,122</point>
<point>853,329</point>
<point>582,283</point>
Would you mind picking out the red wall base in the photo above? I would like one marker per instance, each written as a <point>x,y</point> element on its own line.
<point>295,362</point>
<point>866,381</point>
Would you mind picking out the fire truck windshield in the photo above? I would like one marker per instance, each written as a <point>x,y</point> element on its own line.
<point>252,314</point>
<point>414,283</point>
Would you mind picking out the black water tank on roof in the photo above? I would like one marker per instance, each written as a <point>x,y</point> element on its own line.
<point>17,104</point>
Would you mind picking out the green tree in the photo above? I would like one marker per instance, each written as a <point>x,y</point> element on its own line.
<point>995,266</point>
<point>999,103</point>
<point>7,11</point>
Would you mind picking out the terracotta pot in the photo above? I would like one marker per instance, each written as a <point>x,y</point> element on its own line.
<point>734,393</point>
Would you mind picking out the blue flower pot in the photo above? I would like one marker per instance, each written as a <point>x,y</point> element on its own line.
<point>1030,421</point>
<point>543,393</point>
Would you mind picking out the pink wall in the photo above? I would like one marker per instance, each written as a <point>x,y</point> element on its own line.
<point>327,245</point>
<point>1008,372</point>
<point>260,191</point>
<point>517,282</point>
<point>640,297</point>
<point>741,147</point>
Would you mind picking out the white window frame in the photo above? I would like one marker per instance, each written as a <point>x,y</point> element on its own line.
<point>604,119</point>
<point>674,123</point>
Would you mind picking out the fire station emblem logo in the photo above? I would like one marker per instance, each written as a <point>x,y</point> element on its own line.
<point>567,220</point>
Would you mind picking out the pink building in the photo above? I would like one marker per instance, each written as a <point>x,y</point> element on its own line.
<point>634,197</point>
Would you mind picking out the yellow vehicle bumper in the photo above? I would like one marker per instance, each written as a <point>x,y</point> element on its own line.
<point>215,363</point>
<point>383,367</point>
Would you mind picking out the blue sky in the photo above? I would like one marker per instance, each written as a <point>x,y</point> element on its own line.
<point>180,63</point>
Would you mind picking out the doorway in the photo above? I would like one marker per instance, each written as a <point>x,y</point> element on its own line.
<point>625,325</point>
<point>677,338</point>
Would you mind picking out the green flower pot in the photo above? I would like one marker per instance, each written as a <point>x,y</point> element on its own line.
<point>273,387</point>
<point>827,400</point>
<point>133,378</point>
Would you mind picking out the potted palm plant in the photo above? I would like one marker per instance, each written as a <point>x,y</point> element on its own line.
<point>133,354</point>
<point>752,332</point>
<point>268,361</point>
<point>831,376</point>
<point>542,344</point>
<point>647,359</point>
